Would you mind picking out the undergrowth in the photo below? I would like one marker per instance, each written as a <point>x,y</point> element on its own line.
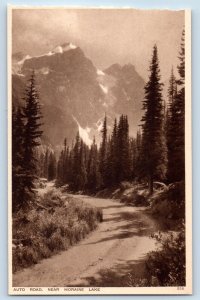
<point>42,233</point>
<point>166,266</point>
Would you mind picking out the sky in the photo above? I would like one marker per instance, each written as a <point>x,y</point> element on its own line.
<point>106,36</point>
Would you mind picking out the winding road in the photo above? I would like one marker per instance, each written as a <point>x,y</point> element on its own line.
<point>118,246</point>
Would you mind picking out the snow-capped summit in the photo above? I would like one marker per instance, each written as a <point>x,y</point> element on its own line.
<point>68,46</point>
<point>75,94</point>
<point>63,48</point>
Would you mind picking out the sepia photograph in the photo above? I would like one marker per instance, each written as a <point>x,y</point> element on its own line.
<point>99,132</point>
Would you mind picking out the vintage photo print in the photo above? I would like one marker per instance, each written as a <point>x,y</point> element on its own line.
<point>99,139</point>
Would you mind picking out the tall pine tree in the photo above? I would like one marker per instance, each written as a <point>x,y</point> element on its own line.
<point>52,167</point>
<point>18,174</point>
<point>176,134</point>
<point>103,153</point>
<point>93,177</point>
<point>32,134</point>
<point>169,123</point>
<point>153,144</point>
<point>124,163</point>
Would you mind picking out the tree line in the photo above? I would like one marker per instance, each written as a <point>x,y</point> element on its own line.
<point>90,168</point>
<point>156,153</point>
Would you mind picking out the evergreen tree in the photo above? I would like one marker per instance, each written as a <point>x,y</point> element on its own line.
<point>172,91</point>
<point>41,157</point>
<point>76,163</point>
<point>93,182</point>
<point>172,94</point>
<point>103,153</point>
<point>114,152</point>
<point>108,174</point>
<point>46,162</point>
<point>123,155</point>
<point>82,174</point>
<point>69,167</point>
<point>135,156</point>
<point>17,137</point>
<point>153,142</point>
<point>52,167</point>
<point>62,165</point>
<point>60,174</point>
<point>18,174</point>
<point>176,132</point>
<point>32,134</point>
<point>138,165</point>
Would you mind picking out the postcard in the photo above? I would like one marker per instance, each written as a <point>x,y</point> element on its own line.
<point>100,156</point>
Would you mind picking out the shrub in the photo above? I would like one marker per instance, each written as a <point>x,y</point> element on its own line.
<point>55,243</point>
<point>169,203</point>
<point>164,267</point>
<point>24,257</point>
<point>52,198</point>
<point>124,185</point>
<point>132,197</point>
<point>40,234</point>
<point>133,281</point>
<point>168,264</point>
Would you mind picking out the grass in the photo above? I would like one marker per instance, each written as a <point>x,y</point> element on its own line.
<point>42,233</point>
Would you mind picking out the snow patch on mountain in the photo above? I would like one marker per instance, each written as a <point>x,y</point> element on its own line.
<point>19,74</point>
<point>50,53</point>
<point>104,88</point>
<point>84,133</point>
<point>63,48</point>
<point>43,71</point>
<point>58,49</point>
<point>68,46</point>
<point>100,73</point>
<point>23,60</point>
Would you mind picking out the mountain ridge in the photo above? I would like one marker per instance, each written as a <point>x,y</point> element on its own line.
<point>75,95</point>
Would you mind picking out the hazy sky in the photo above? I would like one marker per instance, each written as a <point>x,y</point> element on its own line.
<point>106,36</point>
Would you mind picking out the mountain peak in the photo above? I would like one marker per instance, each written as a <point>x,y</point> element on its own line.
<point>114,69</point>
<point>128,66</point>
<point>75,94</point>
<point>63,48</point>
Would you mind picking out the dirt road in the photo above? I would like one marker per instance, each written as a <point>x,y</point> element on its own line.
<point>118,246</point>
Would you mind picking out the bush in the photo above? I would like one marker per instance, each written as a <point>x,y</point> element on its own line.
<point>133,281</point>
<point>164,267</point>
<point>41,234</point>
<point>168,264</point>
<point>52,198</point>
<point>132,197</point>
<point>169,203</point>
<point>124,185</point>
<point>24,257</point>
<point>56,242</point>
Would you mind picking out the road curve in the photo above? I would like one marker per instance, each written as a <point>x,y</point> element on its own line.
<point>118,246</point>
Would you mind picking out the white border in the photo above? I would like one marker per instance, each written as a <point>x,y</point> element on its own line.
<point>188,176</point>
